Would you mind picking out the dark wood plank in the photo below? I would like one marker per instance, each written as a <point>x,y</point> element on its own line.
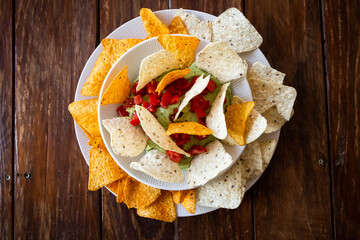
<point>53,41</point>
<point>6,119</point>
<point>292,199</point>
<point>342,30</point>
<point>118,221</point>
<point>227,224</point>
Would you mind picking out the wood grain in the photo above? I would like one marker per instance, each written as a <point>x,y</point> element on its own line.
<point>53,41</point>
<point>6,119</point>
<point>118,221</point>
<point>342,31</point>
<point>291,200</point>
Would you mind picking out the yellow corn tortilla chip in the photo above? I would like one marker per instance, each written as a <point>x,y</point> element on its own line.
<point>153,26</point>
<point>191,128</point>
<point>120,189</point>
<point>103,169</point>
<point>86,132</point>
<point>138,195</point>
<point>119,89</point>
<point>171,77</point>
<point>177,26</point>
<point>113,50</point>
<point>182,47</point>
<point>188,200</point>
<point>236,116</point>
<point>113,186</point>
<point>162,209</point>
<point>85,115</point>
<point>176,196</point>
<point>97,142</point>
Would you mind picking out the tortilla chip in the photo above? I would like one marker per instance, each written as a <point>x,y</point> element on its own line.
<point>85,115</point>
<point>113,50</point>
<point>274,120</point>
<point>159,166</point>
<point>190,128</point>
<point>221,61</point>
<point>267,149</point>
<point>171,77</point>
<point>153,26</point>
<point>97,142</point>
<point>86,133</point>
<point>265,73</point>
<point>195,27</point>
<point>176,196</point>
<point>103,169</point>
<point>118,90</point>
<point>120,189</point>
<point>183,48</point>
<point>233,27</point>
<point>188,200</point>
<point>215,120</point>
<point>162,209</point>
<point>199,85</point>
<point>251,160</point>
<point>126,140</point>
<point>156,132</point>
<point>154,65</point>
<point>113,187</point>
<point>226,191</point>
<point>177,26</point>
<point>207,166</point>
<point>236,116</point>
<point>139,195</point>
<point>268,94</point>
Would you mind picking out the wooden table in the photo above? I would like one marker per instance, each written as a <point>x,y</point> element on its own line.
<point>311,189</point>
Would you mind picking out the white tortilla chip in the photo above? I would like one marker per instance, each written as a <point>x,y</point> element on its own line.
<point>233,27</point>
<point>215,120</point>
<point>226,191</point>
<point>195,27</point>
<point>267,149</point>
<point>251,160</point>
<point>265,73</point>
<point>159,166</point>
<point>154,65</point>
<point>156,132</point>
<point>126,140</point>
<point>267,94</point>
<point>200,84</point>
<point>221,61</point>
<point>207,166</point>
<point>274,120</point>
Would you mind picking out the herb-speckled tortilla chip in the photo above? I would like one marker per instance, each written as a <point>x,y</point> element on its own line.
<point>118,90</point>
<point>195,27</point>
<point>103,169</point>
<point>171,77</point>
<point>188,200</point>
<point>267,150</point>
<point>190,128</point>
<point>274,120</point>
<point>251,160</point>
<point>97,142</point>
<point>162,209</point>
<point>265,73</point>
<point>126,140</point>
<point>183,48</point>
<point>153,26</point>
<point>177,26</point>
<point>85,115</point>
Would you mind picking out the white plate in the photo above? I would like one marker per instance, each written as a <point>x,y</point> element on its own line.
<point>135,29</point>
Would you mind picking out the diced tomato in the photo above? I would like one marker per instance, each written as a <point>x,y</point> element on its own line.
<point>172,116</point>
<point>197,149</point>
<point>151,87</point>
<point>175,99</point>
<point>166,98</point>
<point>151,108</point>
<point>135,119</point>
<point>138,100</point>
<point>146,104</point>
<point>211,86</point>
<point>224,100</point>
<point>128,103</point>
<point>142,92</point>
<point>180,138</point>
<point>205,104</point>
<point>174,156</point>
<point>194,80</point>
<point>122,111</point>
<point>201,137</point>
<point>202,121</point>
<point>182,84</point>
<point>200,112</point>
<point>154,99</point>
<point>204,92</point>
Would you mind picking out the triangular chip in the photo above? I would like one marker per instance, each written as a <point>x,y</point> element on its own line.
<point>113,50</point>
<point>176,196</point>
<point>226,191</point>
<point>188,200</point>
<point>221,61</point>
<point>118,90</point>
<point>126,140</point>
<point>154,65</point>
<point>274,120</point>
<point>190,128</point>
<point>265,73</point>
<point>236,116</point>
<point>159,166</point>
<point>251,160</point>
<point>153,26</point>
<point>97,142</point>
<point>162,209</point>
<point>103,169</point>
<point>85,115</point>
<point>267,150</point>
<point>156,132</point>
<point>215,120</point>
<point>233,27</point>
<point>138,195</point>
<point>207,166</point>
<point>120,189</point>
<point>177,26</point>
<point>195,27</point>
<point>170,77</point>
<point>113,187</point>
<point>183,48</point>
